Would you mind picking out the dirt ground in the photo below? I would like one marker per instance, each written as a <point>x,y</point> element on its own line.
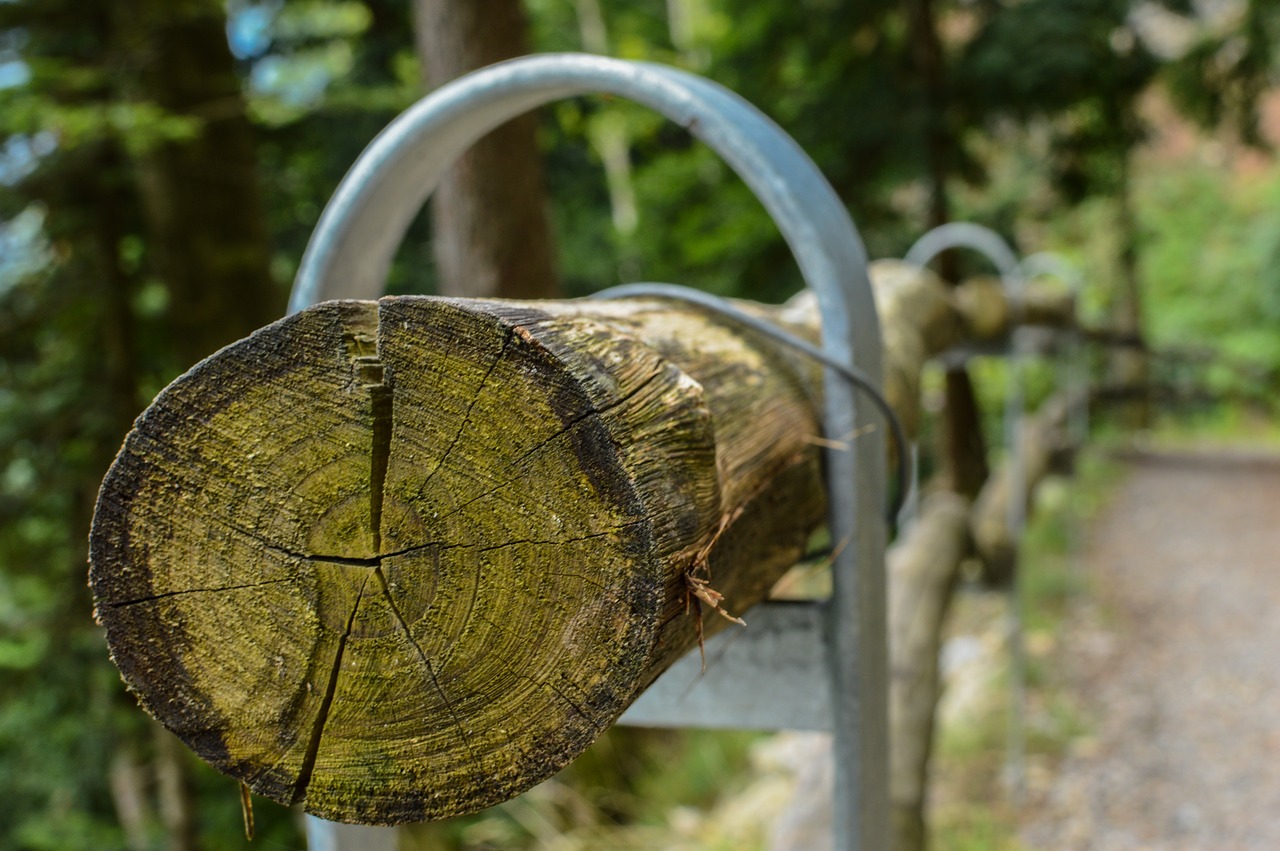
<point>1177,665</point>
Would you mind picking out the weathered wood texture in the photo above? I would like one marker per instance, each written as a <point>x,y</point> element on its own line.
<point>402,560</point>
<point>921,318</point>
<point>923,567</point>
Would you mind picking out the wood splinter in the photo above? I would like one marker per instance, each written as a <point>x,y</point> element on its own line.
<point>698,588</point>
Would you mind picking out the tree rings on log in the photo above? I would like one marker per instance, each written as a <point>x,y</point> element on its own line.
<point>403,560</point>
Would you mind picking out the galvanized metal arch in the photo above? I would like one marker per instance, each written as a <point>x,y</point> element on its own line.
<point>973,236</point>
<point>1012,279</point>
<point>1052,264</point>
<point>356,238</point>
<point>357,235</point>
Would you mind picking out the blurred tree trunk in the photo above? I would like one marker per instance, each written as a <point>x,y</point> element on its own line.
<point>1129,366</point>
<point>608,130</point>
<point>964,447</point>
<point>119,348</point>
<point>492,226</point>
<point>200,192</point>
<point>129,796</point>
<point>120,404</point>
<point>964,444</point>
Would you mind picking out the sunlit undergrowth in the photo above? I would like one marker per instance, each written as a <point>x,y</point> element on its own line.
<point>633,789</point>
<point>971,805</point>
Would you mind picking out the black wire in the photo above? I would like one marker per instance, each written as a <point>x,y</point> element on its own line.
<point>856,377</point>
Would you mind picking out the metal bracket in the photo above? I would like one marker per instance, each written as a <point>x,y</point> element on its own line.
<point>990,244</point>
<point>1052,264</point>
<point>1014,275</point>
<point>1076,378</point>
<point>351,251</point>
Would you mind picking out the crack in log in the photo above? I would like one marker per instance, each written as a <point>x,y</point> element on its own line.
<point>542,444</point>
<point>363,346</point>
<point>466,417</point>
<point>152,598</point>
<point>539,683</point>
<point>377,561</point>
<point>381,398</point>
<point>322,714</point>
<point>600,585</point>
<point>572,703</point>
<point>613,530</point>
<point>372,562</point>
<point>404,625</point>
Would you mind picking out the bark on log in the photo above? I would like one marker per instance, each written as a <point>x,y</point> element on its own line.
<point>923,567</point>
<point>402,560</point>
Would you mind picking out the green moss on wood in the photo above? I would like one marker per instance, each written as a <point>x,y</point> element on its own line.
<point>402,560</point>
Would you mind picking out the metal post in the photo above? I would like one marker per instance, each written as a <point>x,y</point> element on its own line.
<point>911,507</point>
<point>352,249</point>
<point>990,244</point>
<point>1052,264</point>
<point>1076,380</point>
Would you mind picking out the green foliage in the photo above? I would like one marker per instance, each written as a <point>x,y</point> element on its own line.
<point>802,64</point>
<point>322,79</point>
<point>1211,255</point>
<point>80,334</point>
<point>1075,62</point>
<point>621,793</point>
<point>1219,79</point>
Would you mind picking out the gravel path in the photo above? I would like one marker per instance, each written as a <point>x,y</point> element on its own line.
<point>1178,666</point>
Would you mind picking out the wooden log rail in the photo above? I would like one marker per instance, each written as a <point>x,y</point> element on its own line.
<point>923,570</point>
<point>401,560</point>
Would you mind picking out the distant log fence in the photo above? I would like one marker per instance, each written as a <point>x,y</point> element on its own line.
<point>924,563</point>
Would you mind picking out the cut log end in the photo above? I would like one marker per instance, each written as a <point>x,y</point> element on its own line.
<point>392,559</point>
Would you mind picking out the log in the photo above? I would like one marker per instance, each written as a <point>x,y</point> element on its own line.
<point>988,313</point>
<point>923,568</point>
<point>403,560</point>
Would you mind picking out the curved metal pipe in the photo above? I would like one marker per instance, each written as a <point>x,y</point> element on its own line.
<point>356,238</point>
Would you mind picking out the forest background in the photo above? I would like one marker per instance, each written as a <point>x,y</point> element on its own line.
<point>163,162</point>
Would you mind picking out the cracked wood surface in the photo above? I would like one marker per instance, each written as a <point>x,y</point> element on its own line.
<point>402,560</point>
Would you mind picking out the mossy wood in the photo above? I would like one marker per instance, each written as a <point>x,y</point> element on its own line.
<point>923,568</point>
<point>403,560</point>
